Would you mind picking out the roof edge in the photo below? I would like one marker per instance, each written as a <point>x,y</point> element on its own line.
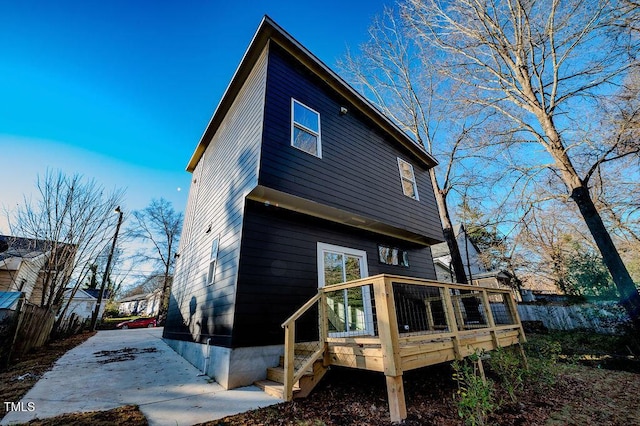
<point>270,30</point>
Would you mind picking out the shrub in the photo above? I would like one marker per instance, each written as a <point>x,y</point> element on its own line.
<point>509,367</point>
<point>543,359</point>
<point>475,396</point>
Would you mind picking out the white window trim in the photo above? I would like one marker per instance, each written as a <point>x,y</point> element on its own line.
<point>306,129</point>
<point>322,247</point>
<point>402,179</point>
<point>211,274</point>
<point>364,272</point>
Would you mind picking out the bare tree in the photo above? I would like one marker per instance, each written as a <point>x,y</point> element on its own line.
<point>402,77</point>
<point>612,183</point>
<point>159,225</point>
<point>547,239</point>
<point>541,65</point>
<point>73,218</point>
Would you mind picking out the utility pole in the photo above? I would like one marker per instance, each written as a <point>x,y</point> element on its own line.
<point>105,277</point>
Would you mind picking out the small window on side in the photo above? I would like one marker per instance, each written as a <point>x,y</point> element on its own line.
<point>213,260</point>
<point>393,256</point>
<point>408,179</point>
<point>305,129</point>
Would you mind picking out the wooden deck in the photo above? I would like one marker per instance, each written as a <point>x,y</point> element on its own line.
<point>393,324</point>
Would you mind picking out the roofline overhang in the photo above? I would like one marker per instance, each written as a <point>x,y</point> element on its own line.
<point>275,198</point>
<point>270,31</point>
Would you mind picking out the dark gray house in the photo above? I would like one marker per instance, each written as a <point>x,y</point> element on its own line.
<point>298,181</point>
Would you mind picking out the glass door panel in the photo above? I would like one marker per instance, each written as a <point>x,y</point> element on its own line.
<point>349,310</point>
<point>333,268</point>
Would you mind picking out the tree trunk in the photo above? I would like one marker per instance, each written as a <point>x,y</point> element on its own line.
<point>456,257</point>
<point>629,296</point>
<point>449,233</point>
<point>162,311</point>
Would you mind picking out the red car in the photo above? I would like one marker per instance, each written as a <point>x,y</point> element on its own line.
<point>137,323</point>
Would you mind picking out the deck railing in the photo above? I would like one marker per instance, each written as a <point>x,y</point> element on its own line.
<point>301,353</point>
<point>393,323</point>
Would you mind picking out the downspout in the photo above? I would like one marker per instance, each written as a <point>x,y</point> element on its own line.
<point>206,359</point>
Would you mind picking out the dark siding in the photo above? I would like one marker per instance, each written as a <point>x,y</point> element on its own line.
<point>358,171</point>
<point>278,267</point>
<point>223,177</point>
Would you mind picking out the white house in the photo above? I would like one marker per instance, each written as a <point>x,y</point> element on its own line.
<point>475,270</point>
<point>82,304</point>
<point>147,304</point>
<point>153,303</point>
<point>20,265</point>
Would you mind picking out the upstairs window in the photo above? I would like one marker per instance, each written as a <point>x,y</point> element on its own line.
<point>409,186</point>
<point>213,260</point>
<point>305,129</point>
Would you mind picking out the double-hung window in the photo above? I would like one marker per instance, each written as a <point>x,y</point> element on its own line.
<point>213,260</point>
<point>305,129</point>
<point>408,178</point>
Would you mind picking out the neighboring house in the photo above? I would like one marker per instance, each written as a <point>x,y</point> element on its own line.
<point>153,303</point>
<point>82,304</point>
<point>133,305</point>
<point>154,297</point>
<point>21,263</point>
<point>94,292</point>
<point>468,251</point>
<point>298,181</point>
<point>147,304</point>
<point>474,268</point>
<point>28,265</point>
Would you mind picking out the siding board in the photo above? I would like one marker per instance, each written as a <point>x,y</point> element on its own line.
<point>358,172</point>
<point>224,175</point>
<point>278,270</point>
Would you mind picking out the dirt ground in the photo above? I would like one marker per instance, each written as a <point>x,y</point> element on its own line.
<point>16,380</point>
<point>128,415</point>
<point>581,395</point>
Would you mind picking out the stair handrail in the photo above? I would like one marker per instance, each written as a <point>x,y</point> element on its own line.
<point>304,308</point>
<point>291,376</point>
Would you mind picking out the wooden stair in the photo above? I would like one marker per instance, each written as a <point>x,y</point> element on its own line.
<point>273,384</point>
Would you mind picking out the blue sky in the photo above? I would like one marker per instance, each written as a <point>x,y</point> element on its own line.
<point>121,91</point>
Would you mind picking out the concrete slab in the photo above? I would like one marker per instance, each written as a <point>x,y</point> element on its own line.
<point>121,367</point>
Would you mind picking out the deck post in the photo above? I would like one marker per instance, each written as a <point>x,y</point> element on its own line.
<point>390,345</point>
<point>289,359</point>
<point>397,403</point>
<point>491,322</point>
<point>455,302</point>
<point>324,327</point>
<point>430,321</point>
<point>513,307</point>
<point>525,361</point>
<point>452,322</point>
<point>478,362</point>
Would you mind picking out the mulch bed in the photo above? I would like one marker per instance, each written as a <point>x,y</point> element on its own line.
<point>581,396</point>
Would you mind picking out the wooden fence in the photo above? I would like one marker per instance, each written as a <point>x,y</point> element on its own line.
<point>34,327</point>
<point>73,324</point>
<point>9,319</point>
<point>606,318</point>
